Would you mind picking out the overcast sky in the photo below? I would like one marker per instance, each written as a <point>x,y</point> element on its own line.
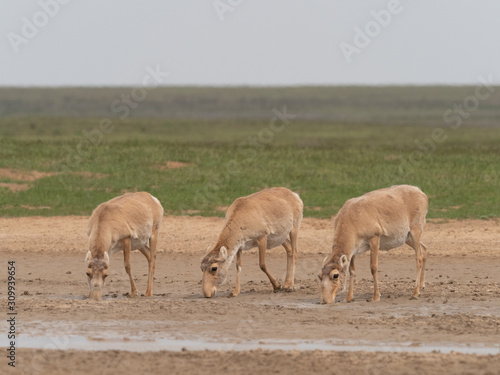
<point>248,42</point>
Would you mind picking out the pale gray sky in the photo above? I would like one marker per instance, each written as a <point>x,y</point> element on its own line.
<point>258,42</point>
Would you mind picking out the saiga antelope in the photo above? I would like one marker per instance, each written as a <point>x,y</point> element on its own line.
<point>380,220</point>
<point>124,223</point>
<point>266,219</point>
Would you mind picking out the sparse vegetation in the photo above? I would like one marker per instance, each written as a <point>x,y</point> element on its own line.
<point>333,150</point>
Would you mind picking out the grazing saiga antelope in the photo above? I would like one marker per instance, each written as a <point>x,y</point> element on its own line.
<point>124,223</point>
<point>266,219</point>
<point>380,220</point>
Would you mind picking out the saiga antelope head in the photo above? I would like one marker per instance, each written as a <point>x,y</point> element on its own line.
<point>333,277</point>
<point>214,269</point>
<point>97,271</point>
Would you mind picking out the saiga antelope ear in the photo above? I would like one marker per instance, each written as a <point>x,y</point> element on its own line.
<point>206,253</point>
<point>106,257</point>
<point>223,253</point>
<point>343,261</point>
<point>324,261</point>
<point>88,256</point>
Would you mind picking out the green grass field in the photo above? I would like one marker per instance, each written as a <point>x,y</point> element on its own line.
<point>238,150</point>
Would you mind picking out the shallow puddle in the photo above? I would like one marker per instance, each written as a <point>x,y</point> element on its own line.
<point>396,310</point>
<point>77,342</point>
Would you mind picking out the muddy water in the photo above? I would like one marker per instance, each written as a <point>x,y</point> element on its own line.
<point>76,342</point>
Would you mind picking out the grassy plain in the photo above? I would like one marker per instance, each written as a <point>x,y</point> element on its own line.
<point>330,152</point>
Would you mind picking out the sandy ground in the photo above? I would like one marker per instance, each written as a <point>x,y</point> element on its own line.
<point>459,309</point>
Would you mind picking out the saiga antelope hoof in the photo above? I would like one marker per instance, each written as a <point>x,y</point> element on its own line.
<point>288,288</point>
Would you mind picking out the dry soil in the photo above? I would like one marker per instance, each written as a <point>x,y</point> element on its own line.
<point>258,331</point>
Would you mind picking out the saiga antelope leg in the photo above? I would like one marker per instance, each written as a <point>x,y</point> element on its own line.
<point>414,241</point>
<point>374,246</point>
<point>151,261</point>
<point>293,240</point>
<point>126,260</point>
<point>236,290</point>
<point>262,243</point>
<point>424,259</point>
<point>352,274</point>
<point>145,251</point>
<point>288,285</point>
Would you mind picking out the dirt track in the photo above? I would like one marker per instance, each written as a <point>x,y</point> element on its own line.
<point>459,309</point>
